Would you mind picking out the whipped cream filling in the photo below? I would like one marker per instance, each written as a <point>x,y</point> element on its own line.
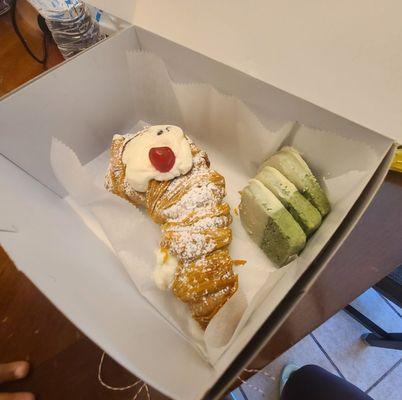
<point>139,168</point>
<point>165,269</point>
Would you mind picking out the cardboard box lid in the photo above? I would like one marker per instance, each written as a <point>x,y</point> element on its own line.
<point>341,56</point>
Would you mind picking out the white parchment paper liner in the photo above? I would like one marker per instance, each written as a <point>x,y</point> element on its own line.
<point>236,142</point>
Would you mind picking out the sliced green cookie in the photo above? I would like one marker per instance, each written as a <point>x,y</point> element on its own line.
<point>289,162</point>
<point>269,224</point>
<point>301,209</point>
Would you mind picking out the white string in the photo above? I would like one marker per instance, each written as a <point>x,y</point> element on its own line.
<point>241,380</point>
<point>139,391</point>
<point>104,384</point>
<point>255,371</point>
<point>145,386</point>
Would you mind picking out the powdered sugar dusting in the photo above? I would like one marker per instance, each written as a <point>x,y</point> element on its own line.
<point>189,245</point>
<point>198,196</point>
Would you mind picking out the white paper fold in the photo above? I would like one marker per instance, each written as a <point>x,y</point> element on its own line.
<point>236,142</point>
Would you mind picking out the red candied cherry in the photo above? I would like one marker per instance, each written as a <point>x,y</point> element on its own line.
<point>162,158</point>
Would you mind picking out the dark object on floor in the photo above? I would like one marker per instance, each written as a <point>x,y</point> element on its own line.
<point>315,383</point>
<point>22,39</point>
<point>391,286</point>
<point>378,337</point>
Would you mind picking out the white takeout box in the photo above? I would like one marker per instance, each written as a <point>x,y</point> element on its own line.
<point>85,100</point>
<point>341,55</point>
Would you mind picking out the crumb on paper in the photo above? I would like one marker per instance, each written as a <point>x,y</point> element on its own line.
<point>236,210</point>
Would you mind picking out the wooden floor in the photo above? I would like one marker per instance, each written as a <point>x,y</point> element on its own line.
<point>17,66</point>
<point>65,361</point>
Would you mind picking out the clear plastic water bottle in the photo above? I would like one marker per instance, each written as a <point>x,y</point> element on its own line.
<point>71,24</point>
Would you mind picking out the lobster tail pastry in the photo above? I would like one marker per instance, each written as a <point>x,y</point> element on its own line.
<point>187,201</point>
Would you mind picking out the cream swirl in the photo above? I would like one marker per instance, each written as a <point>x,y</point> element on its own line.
<point>140,169</point>
<point>165,269</point>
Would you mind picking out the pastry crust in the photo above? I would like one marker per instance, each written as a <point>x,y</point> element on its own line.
<point>195,224</point>
<point>115,180</point>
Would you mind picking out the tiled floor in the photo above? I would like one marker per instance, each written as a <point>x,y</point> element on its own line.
<point>337,347</point>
